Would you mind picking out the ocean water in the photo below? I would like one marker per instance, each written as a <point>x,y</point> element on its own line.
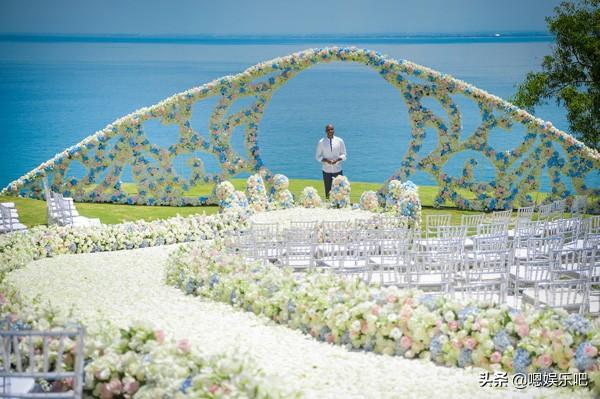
<point>54,93</point>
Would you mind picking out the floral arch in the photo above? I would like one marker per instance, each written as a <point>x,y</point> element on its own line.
<point>105,154</point>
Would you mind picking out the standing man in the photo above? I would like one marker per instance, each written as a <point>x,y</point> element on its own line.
<point>331,152</point>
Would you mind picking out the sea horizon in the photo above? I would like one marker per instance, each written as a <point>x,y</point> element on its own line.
<point>374,38</point>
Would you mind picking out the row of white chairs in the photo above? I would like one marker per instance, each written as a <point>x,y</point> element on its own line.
<point>442,261</point>
<point>62,211</point>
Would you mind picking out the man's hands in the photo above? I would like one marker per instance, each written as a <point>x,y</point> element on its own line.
<point>331,161</point>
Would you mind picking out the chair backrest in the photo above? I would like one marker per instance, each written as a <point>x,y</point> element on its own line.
<point>559,206</point>
<point>472,221</point>
<point>579,204</point>
<point>6,220</point>
<point>458,232</point>
<point>496,228</point>
<point>580,262</point>
<point>66,210</point>
<point>490,242</point>
<point>525,213</point>
<point>42,355</point>
<point>498,216</point>
<point>571,295</point>
<point>437,220</point>
<point>304,224</point>
<point>545,211</point>
<point>542,248</point>
<point>525,229</point>
<point>592,224</point>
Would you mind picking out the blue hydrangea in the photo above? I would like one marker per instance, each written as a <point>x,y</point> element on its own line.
<point>521,361</point>
<point>346,338</point>
<point>465,358</point>
<point>291,307</point>
<point>576,323</point>
<point>323,333</point>
<point>214,279</point>
<point>583,362</point>
<point>73,247</point>
<point>436,346</point>
<point>190,286</point>
<point>502,341</point>
<point>466,312</point>
<point>185,385</point>
<point>429,301</point>
<point>369,345</point>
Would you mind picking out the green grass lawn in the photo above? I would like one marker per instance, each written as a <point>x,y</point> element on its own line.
<point>33,212</point>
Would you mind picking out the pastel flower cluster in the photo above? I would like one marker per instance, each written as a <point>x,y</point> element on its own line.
<point>18,249</point>
<point>229,198</point>
<point>403,199</point>
<point>369,201</point>
<point>543,148</point>
<point>141,361</point>
<point>310,198</point>
<point>257,193</point>
<point>281,197</point>
<point>392,321</point>
<point>340,192</point>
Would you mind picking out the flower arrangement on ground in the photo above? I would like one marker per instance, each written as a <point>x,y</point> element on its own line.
<point>369,201</point>
<point>403,199</point>
<point>310,198</point>
<point>229,198</point>
<point>392,321</point>
<point>281,197</point>
<point>340,192</point>
<point>257,193</point>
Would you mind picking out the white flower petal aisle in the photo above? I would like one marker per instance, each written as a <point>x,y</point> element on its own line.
<point>129,285</point>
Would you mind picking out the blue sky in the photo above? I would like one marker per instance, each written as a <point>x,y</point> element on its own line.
<point>264,17</point>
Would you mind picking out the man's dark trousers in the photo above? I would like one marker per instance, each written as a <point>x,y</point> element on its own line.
<point>327,179</point>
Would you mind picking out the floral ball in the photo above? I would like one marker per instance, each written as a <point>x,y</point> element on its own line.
<point>368,201</point>
<point>224,190</point>
<point>280,182</point>
<point>310,197</point>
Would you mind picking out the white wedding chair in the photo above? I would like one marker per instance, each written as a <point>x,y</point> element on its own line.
<point>390,257</point>
<point>472,221</point>
<point>579,205</point>
<point>9,218</point>
<point>484,277</point>
<point>26,356</point>
<point>62,210</point>
<point>432,222</point>
<point>525,213</point>
<point>299,245</point>
<point>267,241</point>
<point>433,268</point>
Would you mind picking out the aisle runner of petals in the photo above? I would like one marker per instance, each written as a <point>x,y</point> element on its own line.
<point>571,167</point>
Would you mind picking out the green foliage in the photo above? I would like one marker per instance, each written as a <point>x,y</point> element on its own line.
<point>571,75</point>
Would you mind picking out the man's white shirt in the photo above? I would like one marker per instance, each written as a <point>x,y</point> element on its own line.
<point>331,149</point>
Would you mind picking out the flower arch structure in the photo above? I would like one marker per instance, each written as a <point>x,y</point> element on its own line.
<point>105,154</point>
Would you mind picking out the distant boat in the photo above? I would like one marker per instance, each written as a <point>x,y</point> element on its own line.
<point>497,34</point>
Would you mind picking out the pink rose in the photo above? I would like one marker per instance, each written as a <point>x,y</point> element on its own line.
<point>329,338</point>
<point>2,299</point>
<point>476,326</point>
<point>213,388</point>
<point>131,387</point>
<point>453,325</point>
<point>115,386</point>
<point>522,330</point>
<point>544,361</point>
<point>496,357</point>
<point>184,345</point>
<point>405,342</point>
<point>375,310</point>
<point>409,301</point>
<point>519,319</point>
<point>470,343</point>
<point>159,335</point>
<point>105,392</point>
<point>456,343</point>
<point>590,350</point>
<point>364,327</point>
<point>392,298</point>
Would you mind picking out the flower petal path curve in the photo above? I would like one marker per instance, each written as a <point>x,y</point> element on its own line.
<point>129,285</point>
